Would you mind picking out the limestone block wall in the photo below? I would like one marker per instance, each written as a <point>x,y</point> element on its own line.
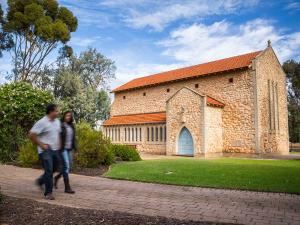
<point>213,130</point>
<point>272,104</point>
<point>185,109</point>
<point>238,96</point>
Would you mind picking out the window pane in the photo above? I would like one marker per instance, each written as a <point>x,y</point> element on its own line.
<point>148,134</point>
<point>140,134</point>
<point>152,134</point>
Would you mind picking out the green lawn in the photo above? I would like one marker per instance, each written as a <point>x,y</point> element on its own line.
<point>247,174</point>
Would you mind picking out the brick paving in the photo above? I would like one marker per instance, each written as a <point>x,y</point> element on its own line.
<point>199,204</point>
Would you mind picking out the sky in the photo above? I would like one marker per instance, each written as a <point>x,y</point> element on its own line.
<point>144,37</point>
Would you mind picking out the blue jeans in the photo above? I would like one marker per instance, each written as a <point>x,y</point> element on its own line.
<point>67,162</point>
<point>50,161</point>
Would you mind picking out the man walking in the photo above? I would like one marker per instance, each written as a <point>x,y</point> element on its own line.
<point>46,135</point>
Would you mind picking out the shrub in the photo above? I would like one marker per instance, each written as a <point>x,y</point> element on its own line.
<point>93,147</point>
<point>20,106</point>
<point>28,156</point>
<point>125,152</point>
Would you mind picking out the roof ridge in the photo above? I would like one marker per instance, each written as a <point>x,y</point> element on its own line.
<point>189,69</point>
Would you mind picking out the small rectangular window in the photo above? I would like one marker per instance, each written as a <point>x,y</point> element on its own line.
<point>140,134</point>
<point>144,94</point>
<point>168,90</point>
<point>230,80</point>
<point>124,97</point>
<point>161,134</point>
<point>132,135</point>
<point>129,134</point>
<point>152,134</point>
<point>136,134</point>
<point>148,134</point>
<point>196,85</point>
<point>125,134</point>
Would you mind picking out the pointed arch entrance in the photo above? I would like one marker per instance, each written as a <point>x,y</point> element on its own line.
<point>185,142</point>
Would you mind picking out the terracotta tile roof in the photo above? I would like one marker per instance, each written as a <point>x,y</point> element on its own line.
<point>136,119</point>
<point>218,66</point>
<point>213,102</point>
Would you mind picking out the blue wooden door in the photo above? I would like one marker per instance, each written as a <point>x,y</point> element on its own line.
<point>185,145</point>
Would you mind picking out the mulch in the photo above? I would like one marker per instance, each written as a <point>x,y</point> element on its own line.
<point>18,211</point>
<point>94,172</point>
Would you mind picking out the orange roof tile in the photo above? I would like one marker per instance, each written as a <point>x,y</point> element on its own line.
<point>218,66</point>
<point>213,102</point>
<point>136,119</point>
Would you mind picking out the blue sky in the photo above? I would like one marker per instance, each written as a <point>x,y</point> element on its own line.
<point>148,36</point>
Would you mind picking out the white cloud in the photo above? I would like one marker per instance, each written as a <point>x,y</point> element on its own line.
<point>84,41</point>
<point>201,43</point>
<point>293,6</point>
<point>158,17</point>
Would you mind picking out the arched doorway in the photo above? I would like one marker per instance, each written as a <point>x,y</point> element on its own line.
<point>185,142</point>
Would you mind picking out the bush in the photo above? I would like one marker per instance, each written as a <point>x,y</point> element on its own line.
<point>28,155</point>
<point>20,106</point>
<point>94,148</point>
<point>125,152</point>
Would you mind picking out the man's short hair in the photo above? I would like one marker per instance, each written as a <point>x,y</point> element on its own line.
<point>50,108</point>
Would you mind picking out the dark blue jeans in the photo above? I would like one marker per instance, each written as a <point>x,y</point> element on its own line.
<point>50,162</point>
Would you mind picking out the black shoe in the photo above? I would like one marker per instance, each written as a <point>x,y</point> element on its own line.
<point>68,188</point>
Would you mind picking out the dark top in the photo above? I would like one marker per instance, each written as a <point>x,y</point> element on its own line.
<point>64,135</point>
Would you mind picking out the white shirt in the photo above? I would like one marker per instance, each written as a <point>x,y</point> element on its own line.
<point>48,132</point>
<point>69,136</point>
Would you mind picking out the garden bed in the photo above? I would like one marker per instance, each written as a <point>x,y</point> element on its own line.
<point>16,211</point>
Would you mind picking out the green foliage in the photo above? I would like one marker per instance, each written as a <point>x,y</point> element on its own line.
<point>125,152</point>
<point>93,147</point>
<point>6,41</point>
<point>292,70</point>
<point>79,84</point>
<point>20,106</point>
<point>28,155</point>
<point>34,28</point>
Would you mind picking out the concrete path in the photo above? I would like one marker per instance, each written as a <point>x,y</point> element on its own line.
<point>201,204</point>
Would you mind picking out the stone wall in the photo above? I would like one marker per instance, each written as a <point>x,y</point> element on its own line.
<point>272,104</point>
<point>213,130</point>
<point>185,109</point>
<point>238,96</point>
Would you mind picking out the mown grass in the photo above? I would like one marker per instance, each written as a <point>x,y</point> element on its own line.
<point>245,174</point>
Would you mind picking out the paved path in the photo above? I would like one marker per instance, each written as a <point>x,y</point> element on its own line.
<point>203,204</point>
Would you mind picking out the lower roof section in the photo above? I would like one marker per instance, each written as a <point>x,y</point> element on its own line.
<point>136,119</point>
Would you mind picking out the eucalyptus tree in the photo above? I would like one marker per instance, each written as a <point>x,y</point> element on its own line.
<point>36,28</point>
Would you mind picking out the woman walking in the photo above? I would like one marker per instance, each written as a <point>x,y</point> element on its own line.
<point>68,144</point>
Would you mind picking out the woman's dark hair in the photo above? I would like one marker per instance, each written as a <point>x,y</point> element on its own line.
<point>64,116</point>
<point>50,108</point>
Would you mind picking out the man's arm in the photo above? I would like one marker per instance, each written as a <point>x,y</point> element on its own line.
<point>34,138</point>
